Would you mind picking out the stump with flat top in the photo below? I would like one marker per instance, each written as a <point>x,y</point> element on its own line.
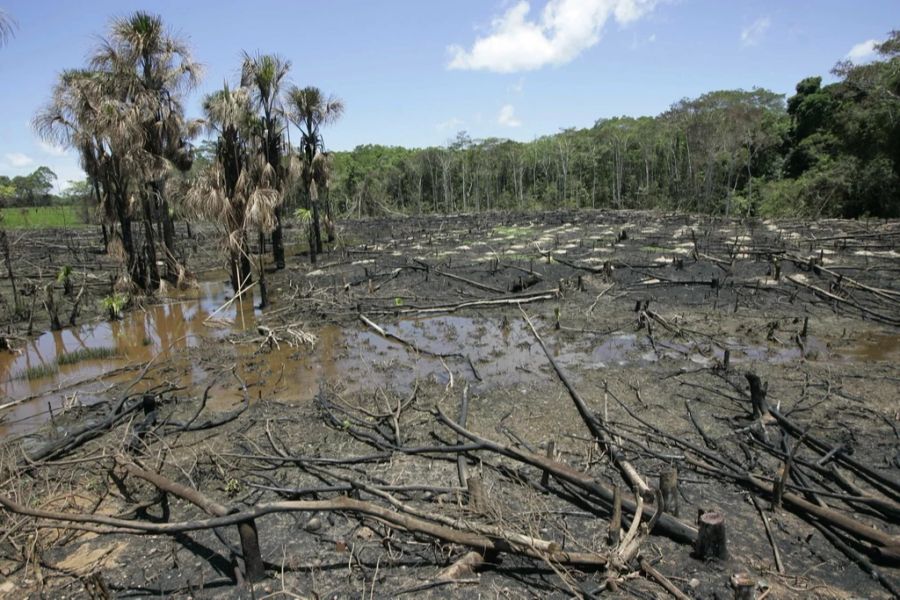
<point>744,586</point>
<point>711,542</point>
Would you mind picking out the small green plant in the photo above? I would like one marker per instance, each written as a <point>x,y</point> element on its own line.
<point>82,354</point>
<point>303,216</point>
<point>232,487</point>
<point>398,301</point>
<point>38,372</point>
<point>65,278</point>
<point>64,273</point>
<point>114,305</point>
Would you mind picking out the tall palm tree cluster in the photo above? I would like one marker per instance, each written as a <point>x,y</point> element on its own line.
<point>124,115</point>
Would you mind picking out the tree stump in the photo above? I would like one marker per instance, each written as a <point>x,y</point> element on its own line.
<point>615,521</point>
<point>744,586</point>
<point>758,396</point>
<point>551,454</point>
<point>668,487</point>
<point>711,538</point>
<point>253,563</point>
<point>477,497</point>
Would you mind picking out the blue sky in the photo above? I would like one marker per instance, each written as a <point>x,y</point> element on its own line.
<point>414,72</point>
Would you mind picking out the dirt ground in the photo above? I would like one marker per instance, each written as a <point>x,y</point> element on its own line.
<point>343,385</point>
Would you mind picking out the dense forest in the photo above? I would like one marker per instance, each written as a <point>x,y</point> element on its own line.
<point>828,150</point>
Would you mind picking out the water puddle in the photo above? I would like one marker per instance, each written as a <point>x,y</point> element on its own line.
<point>159,331</point>
<point>355,359</point>
<point>503,353</point>
<point>876,347</point>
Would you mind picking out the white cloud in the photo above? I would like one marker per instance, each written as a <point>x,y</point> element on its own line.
<point>863,51</point>
<point>451,123</point>
<point>52,149</point>
<point>507,116</point>
<point>753,33</point>
<point>564,29</point>
<point>17,160</point>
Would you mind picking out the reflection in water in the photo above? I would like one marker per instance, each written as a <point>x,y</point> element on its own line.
<point>161,330</point>
<point>353,358</point>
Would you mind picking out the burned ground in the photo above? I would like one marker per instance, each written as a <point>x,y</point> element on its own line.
<point>349,383</point>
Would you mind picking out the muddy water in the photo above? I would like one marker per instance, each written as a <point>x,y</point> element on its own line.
<point>353,358</point>
<point>877,347</point>
<point>157,331</point>
<point>357,359</point>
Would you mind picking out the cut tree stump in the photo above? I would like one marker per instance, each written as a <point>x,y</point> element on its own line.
<point>758,396</point>
<point>477,497</point>
<point>744,586</point>
<point>711,538</point>
<point>668,487</point>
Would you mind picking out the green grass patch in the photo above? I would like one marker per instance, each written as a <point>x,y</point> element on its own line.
<point>658,249</point>
<point>82,354</point>
<point>38,372</point>
<point>40,217</point>
<point>514,231</point>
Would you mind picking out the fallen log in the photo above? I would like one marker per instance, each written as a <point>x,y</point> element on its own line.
<point>481,543</point>
<point>629,473</point>
<point>665,525</point>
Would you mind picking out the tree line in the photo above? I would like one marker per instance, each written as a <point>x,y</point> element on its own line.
<point>828,150</point>
<point>33,189</point>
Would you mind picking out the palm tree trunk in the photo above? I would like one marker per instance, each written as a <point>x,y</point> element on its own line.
<point>168,224</point>
<point>278,240</point>
<point>263,291</point>
<point>152,280</point>
<point>239,265</point>
<point>329,217</point>
<point>317,230</point>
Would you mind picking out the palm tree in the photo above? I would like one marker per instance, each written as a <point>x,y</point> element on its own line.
<point>263,75</point>
<point>238,189</point>
<point>153,69</point>
<point>310,110</point>
<point>7,26</point>
<point>85,113</point>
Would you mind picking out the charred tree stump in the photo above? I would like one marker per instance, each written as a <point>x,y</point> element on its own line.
<point>758,395</point>
<point>477,498</point>
<point>253,563</point>
<point>744,586</point>
<point>668,487</point>
<point>615,520</point>
<point>711,538</point>
<point>551,454</point>
<point>254,569</point>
